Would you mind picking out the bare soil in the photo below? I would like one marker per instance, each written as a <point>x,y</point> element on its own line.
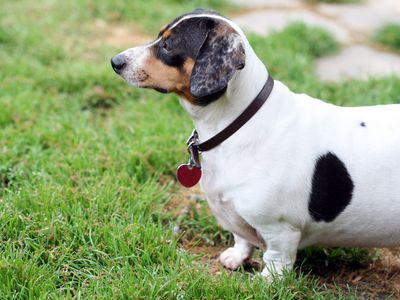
<point>116,35</point>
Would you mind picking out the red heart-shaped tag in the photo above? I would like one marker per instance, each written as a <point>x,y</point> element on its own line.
<point>188,176</point>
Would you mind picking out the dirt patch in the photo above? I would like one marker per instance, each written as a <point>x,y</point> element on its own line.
<point>182,199</point>
<point>376,279</point>
<point>117,35</point>
<point>208,257</point>
<point>99,99</point>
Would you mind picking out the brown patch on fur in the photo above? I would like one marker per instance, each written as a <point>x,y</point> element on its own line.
<point>183,89</point>
<point>172,79</point>
<point>166,34</point>
<point>163,28</point>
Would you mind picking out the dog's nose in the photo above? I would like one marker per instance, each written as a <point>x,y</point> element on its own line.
<point>118,63</point>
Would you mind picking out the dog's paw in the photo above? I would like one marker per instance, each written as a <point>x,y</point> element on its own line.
<point>232,258</point>
<point>267,275</point>
<point>273,272</point>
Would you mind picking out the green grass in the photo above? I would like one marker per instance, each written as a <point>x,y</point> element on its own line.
<point>389,36</point>
<point>86,165</point>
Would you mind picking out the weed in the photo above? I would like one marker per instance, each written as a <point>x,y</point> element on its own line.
<point>5,36</point>
<point>389,36</point>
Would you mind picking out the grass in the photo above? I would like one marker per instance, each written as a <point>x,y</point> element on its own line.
<point>389,36</point>
<point>86,165</point>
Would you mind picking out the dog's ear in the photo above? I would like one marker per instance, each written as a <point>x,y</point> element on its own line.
<point>220,56</point>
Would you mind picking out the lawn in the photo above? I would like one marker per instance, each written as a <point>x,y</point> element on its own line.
<point>389,36</point>
<point>89,207</point>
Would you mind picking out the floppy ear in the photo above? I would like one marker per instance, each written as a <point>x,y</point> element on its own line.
<point>220,56</point>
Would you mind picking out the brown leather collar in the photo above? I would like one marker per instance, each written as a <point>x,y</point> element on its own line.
<point>193,143</point>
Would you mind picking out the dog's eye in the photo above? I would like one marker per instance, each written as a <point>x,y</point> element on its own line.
<point>166,47</point>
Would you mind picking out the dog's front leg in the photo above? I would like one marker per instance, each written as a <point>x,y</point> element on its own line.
<point>282,242</point>
<point>233,257</point>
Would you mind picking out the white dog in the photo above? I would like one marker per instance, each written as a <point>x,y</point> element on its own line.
<point>299,172</point>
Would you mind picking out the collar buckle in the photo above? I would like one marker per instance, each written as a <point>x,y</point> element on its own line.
<point>192,147</point>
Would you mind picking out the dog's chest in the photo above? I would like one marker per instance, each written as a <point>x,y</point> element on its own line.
<point>221,176</point>
<point>230,219</point>
<point>225,188</point>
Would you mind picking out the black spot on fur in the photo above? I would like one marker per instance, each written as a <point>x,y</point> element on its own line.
<point>198,11</point>
<point>362,124</point>
<point>221,55</point>
<point>184,42</point>
<point>204,101</point>
<point>332,189</point>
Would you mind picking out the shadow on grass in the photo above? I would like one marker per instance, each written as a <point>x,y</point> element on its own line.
<point>373,273</point>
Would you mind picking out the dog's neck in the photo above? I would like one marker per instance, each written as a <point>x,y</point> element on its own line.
<point>241,91</point>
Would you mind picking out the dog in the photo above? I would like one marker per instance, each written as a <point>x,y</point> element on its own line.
<point>299,172</point>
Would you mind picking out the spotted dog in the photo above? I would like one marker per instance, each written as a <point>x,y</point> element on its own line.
<point>300,172</point>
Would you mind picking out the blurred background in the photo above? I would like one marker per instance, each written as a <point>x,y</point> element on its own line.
<point>89,207</point>
<point>366,31</point>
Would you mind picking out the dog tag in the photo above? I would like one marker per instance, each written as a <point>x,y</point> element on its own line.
<point>188,176</point>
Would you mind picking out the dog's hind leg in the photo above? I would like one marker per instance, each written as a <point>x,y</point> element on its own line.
<point>233,257</point>
<point>282,242</point>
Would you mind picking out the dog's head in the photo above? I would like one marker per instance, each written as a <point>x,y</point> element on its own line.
<point>195,56</point>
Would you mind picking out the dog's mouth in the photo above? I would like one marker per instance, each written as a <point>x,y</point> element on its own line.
<point>140,79</point>
<point>161,90</point>
<point>137,78</point>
